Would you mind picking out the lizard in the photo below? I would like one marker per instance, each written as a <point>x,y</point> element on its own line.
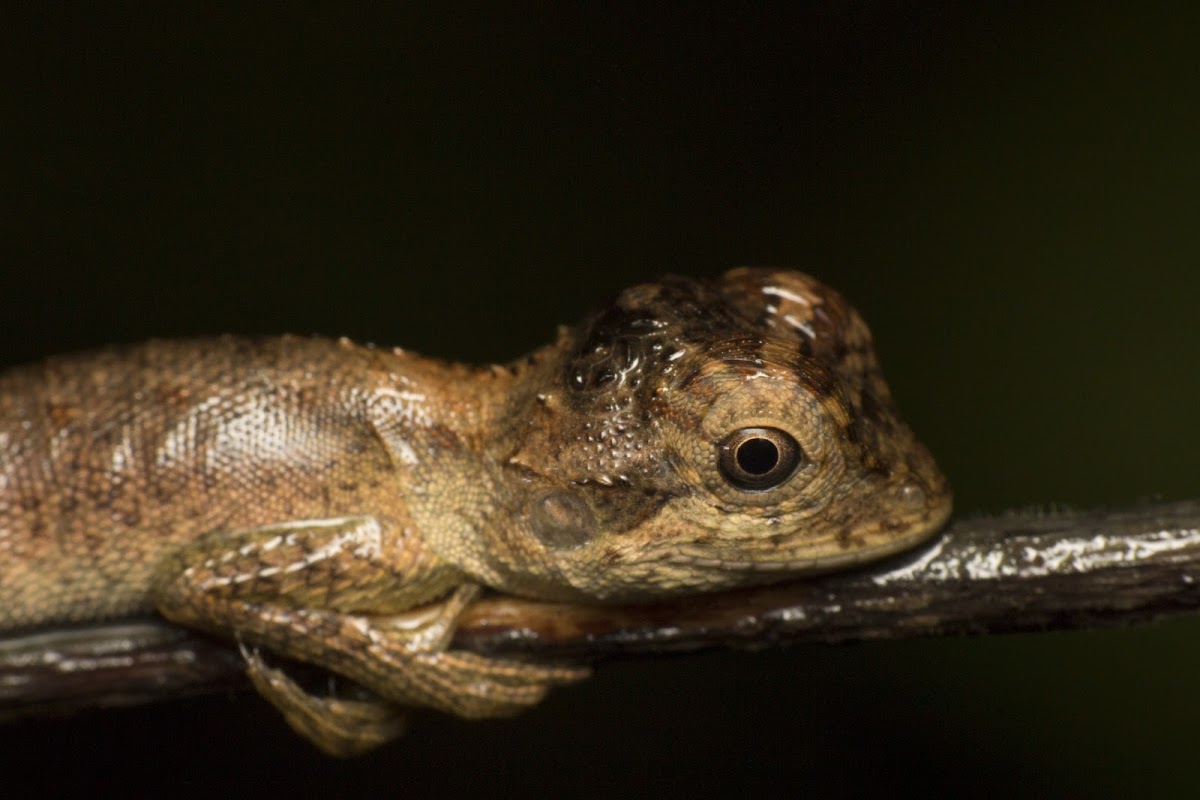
<point>342,504</point>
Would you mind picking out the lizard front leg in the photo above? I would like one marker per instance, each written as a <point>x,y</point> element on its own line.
<point>334,593</point>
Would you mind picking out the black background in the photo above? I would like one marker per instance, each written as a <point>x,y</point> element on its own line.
<point>1007,193</point>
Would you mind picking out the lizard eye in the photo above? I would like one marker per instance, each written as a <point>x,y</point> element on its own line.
<point>757,459</point>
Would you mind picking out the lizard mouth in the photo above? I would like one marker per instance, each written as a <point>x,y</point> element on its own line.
<point>803,554</point>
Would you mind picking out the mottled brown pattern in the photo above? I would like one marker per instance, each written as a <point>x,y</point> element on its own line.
<point>112,461</point>
<point>341,504</point>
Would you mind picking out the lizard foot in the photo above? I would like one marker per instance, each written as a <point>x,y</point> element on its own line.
<point>471,685</point>
<point>338,727</point>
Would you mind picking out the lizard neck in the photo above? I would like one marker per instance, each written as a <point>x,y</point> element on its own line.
<point>425,408</point>
<point>450,430</point>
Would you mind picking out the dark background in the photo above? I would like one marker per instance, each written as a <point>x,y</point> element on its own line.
<point>1009,196</point>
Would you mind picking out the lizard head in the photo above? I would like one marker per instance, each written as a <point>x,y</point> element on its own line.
<point>705,434</point>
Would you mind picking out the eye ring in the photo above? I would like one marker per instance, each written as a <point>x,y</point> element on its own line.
<point>758,459</point>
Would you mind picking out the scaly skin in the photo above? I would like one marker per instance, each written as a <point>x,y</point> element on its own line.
<point>341,505</point>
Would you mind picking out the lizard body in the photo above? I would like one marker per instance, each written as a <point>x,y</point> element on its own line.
<point>342,504</point>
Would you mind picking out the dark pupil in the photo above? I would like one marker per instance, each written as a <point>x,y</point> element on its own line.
<point>758,456</point>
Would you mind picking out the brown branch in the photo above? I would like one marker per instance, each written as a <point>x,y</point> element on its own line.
<point>1003,573</point>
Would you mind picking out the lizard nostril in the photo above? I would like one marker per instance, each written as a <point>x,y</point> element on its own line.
<point>912,496</point>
